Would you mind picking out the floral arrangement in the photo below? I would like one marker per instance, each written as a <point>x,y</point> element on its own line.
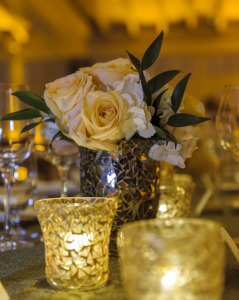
<point>96,107</point>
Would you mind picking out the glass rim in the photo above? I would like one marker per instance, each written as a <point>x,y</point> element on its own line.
<point>164,224</point>
<point>50,201</point>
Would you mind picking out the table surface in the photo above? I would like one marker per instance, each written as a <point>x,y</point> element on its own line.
<point>23,276</point>
<point>22,272</point>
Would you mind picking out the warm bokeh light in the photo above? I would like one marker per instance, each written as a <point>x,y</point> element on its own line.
<point>170,278</point>
<point>21,173</point>
<point>16,26</point>
<point>38,45</point>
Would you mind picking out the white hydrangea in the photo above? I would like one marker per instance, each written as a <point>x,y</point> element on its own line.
<point>139,114</point>
<point>167,152</point>
<point>187,139</point>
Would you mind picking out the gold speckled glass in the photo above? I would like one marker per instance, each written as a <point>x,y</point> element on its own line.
<point>174,259</point>
<point>174,202</point>
<point>176,191</point>
<point>76,234</point>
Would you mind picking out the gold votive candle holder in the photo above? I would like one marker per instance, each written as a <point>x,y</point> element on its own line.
<point>173,259</point>
<point>76,233</point>
<point>176,197</point>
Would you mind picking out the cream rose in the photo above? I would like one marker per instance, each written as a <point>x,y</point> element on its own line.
<point>100,121</point>
<point>106,74</point>
<point>63,94</point>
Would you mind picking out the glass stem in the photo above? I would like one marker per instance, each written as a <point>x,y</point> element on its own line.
<point>7,174</point>
<point>64,176</point>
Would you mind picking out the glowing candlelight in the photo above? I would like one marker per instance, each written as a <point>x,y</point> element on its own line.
<point>169,279</point>
<point>174,259</point>
<point>76,234</point>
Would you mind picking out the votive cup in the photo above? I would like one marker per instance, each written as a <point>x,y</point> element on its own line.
<point>173,259</point>
<point>76,233</point>
<point>176,198</point>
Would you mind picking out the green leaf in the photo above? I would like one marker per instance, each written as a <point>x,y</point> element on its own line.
<point>170,137</point>
<point>25,114</point>
<point>52,120</point>
<point>58,134</point>
<point>61,136</point>
<point>33,100</point>
<point>98,154</point>
<point>161,79</point>
<point>33,125</point>
<point>160,133</point>
<point>30,126</point>
<point>65,138</point>
<point>135,61</point>
<point>152,52</point>
<point>158,99</point>
<point>136,136</point>
<point>146,89</point>
<point>178,92</point>
<point>181,120</point>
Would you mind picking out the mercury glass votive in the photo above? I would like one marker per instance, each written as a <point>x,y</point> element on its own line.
<point>176,197</point>
<point>179,259</point>
<point>76,232</point>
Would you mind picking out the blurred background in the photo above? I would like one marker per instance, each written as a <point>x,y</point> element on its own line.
<point>44,40</point>
<point>41,41</point>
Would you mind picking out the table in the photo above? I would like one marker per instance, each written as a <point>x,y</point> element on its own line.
<point>23,276</point>
<point>22,272</point>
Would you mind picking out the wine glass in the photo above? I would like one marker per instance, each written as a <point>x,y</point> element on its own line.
<point>227,123</point>
<point>62,154</point>
<point>227,120</point>
<point>15,147</point>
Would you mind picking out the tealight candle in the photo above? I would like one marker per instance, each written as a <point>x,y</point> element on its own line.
<point>175,197</point>
<point>76,234</point>
<point>174,259</point>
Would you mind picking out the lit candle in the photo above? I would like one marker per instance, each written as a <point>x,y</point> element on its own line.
<point>76,234</point>
<point>173,259</point>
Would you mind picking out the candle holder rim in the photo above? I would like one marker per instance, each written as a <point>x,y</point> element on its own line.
<point>161,224</point>
<point>54,201</point>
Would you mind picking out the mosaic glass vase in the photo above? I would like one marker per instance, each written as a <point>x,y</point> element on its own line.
<point>128,174</point>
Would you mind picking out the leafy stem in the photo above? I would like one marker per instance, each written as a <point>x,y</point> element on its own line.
<point>156,83</point>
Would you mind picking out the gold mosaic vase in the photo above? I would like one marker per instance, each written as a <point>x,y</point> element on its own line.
<point>128,174</point>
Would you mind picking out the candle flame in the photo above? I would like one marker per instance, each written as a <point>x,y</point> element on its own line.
<point>170,278</point>
<point>162,207</point>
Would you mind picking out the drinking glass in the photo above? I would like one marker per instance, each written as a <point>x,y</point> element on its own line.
<point>23,193</point>
<point>15,147</point>
<point>62,154</point>
<point>227,120</point>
